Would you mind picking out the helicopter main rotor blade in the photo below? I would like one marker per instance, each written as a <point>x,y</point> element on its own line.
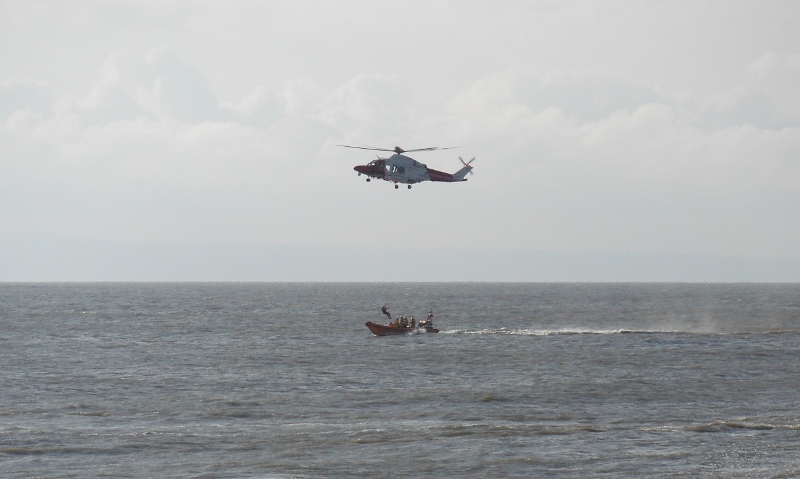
<point>432,148</point>
<point>397,149</point>
<point>365,148</point>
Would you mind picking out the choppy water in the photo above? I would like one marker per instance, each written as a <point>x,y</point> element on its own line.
<point>284,380</point>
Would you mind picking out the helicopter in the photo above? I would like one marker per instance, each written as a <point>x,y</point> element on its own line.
<point>399,168</point>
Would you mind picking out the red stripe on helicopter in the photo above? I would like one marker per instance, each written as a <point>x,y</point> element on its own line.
<point>436,175</point>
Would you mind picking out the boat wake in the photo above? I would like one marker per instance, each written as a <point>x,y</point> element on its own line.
<point>559,332</point>
<point>570,331</point>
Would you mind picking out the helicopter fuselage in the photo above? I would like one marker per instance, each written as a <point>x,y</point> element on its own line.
<point>399,168</point>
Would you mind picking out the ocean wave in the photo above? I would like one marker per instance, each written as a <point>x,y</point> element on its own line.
<point>722,426</point>
<point>482,429</point>
<point>524,430</point>
<point>32,451</point>
<point>242,414</point>
<point>90,413</point>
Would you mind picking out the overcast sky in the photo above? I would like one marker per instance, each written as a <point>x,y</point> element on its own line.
<point>669,128</point>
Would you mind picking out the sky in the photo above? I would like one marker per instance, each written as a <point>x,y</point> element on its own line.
<point>178,140</point>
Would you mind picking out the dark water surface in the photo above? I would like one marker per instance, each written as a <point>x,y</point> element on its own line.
<point>283,380</point>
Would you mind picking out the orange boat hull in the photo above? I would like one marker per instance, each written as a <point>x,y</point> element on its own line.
<point>383,330</point>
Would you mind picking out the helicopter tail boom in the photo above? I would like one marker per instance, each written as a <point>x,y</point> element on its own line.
<point>461,174</point>
<point>436,175</point>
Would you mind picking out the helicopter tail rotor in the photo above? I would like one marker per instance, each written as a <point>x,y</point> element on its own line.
<point>467,164</point>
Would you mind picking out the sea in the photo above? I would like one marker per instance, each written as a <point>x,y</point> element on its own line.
<point>283,380</point>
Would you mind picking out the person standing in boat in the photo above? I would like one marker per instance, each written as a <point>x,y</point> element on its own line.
<point>413,322</point>
<point>385,310</point>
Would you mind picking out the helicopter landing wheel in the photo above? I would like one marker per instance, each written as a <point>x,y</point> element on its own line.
<point>368,180</point>
<point>409,187</point>
<point>396,186</point>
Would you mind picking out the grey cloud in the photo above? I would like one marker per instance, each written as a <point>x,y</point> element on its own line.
<point>743,106</point>
<point>184,89</point>
<point>18,95</point>
<point>375,107</point>
<point>595,127</point>
<point>115,104</point>
<point>566,180</point>
<point>261,109</point>
<point>778,76</point>
<point>768,98</point>
<point>155,85</point>
<point>587,100</point>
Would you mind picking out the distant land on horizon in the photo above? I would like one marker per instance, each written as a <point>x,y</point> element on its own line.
<point>45,260</point>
